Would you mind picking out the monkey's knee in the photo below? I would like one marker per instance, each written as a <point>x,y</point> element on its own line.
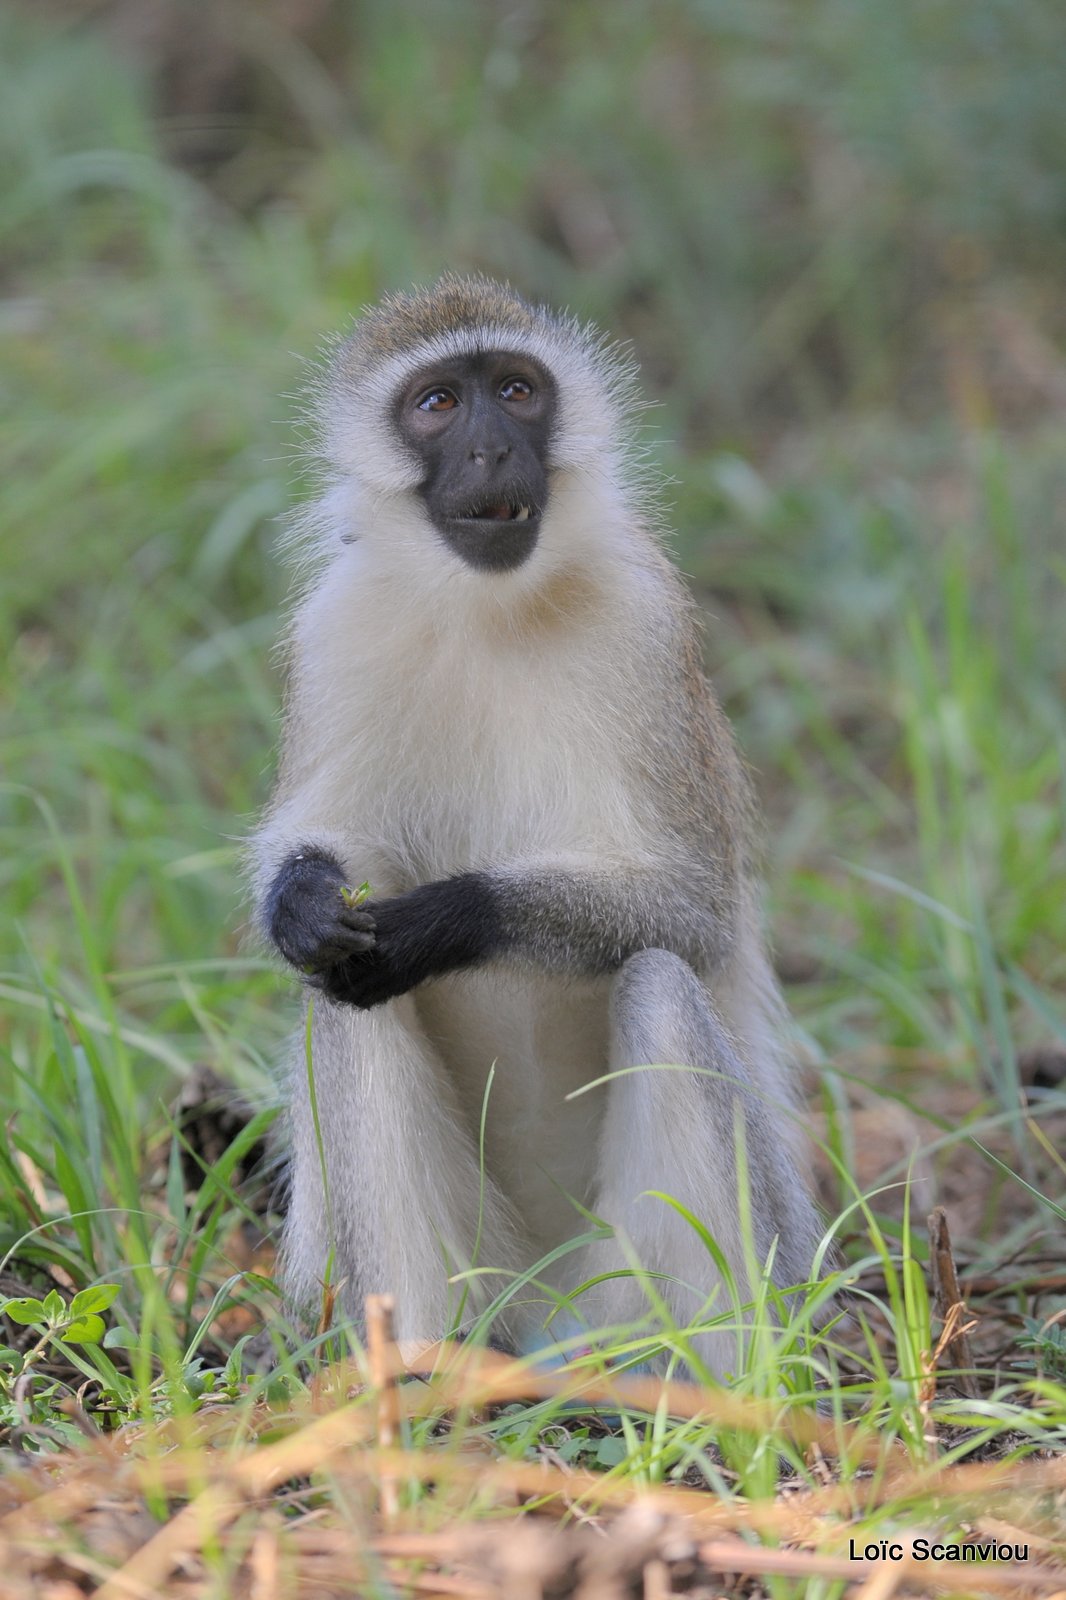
<point>661,1014</point>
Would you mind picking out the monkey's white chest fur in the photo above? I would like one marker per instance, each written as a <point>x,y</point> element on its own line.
<point>454,744</point>
<point>457,745</point>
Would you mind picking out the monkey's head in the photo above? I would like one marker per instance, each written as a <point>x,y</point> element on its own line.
<point>478,408</point>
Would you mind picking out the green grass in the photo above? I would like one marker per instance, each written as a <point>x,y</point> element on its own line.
<point>849,317</point>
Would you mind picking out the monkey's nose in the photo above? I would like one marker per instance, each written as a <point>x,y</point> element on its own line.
<point>490,455</point>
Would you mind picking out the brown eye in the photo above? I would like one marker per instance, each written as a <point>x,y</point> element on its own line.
<point>438,400</point>
<point>516,389</point>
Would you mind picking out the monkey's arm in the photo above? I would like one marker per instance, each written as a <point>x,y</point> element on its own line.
<point>567,914</point>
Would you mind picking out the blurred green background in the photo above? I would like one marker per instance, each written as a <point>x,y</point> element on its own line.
<point>835,235</point>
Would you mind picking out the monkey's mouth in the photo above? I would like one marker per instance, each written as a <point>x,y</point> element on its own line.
<point>498,511</point>
<point>494,535</point>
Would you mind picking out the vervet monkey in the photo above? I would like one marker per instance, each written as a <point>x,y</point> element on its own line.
<point>497,718</point>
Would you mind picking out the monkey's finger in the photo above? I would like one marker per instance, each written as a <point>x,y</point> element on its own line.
<point>358,921</point>
<point>333,952</point>
<point>345,942</point>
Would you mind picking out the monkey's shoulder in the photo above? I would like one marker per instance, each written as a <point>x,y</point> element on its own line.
<point>703,788</point>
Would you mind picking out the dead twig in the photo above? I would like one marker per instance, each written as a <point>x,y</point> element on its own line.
<point>946,1296</point>
<point>381,1353</point>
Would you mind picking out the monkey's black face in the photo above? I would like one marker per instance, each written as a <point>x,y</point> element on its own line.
<point>481,425</point>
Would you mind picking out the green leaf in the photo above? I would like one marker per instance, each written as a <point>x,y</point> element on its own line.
<point>26,1310</point>
<point>84,1330</point>
<point>612,1451</point>
<point>96,1298</point>
<point>234,1368</point>
<point>120,1338</point>
<point>54,1306</point>
<point>196,1382</point>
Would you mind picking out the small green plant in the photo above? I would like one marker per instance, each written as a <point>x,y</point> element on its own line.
<point>29,1395</point>
<point>78,1322</point>
<point>355,897</point>
<point>1047,1341</point>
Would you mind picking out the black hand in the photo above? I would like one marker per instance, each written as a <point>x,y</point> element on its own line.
<point>309,918</point>
<point>440,927</point>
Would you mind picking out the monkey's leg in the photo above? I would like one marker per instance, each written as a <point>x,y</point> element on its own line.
<point>401,1199</point>
<point>676,1132</point>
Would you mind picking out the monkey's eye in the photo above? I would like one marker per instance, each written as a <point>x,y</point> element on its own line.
<point>516,389</point>
<point>438,400</point>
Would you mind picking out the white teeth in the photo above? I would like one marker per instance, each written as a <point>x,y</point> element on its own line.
<point>523,514</point>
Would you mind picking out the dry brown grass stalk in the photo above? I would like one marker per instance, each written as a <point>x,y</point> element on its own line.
<point>382,1353</point>
<point>488,1559</point>
<point>239,1496</point>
